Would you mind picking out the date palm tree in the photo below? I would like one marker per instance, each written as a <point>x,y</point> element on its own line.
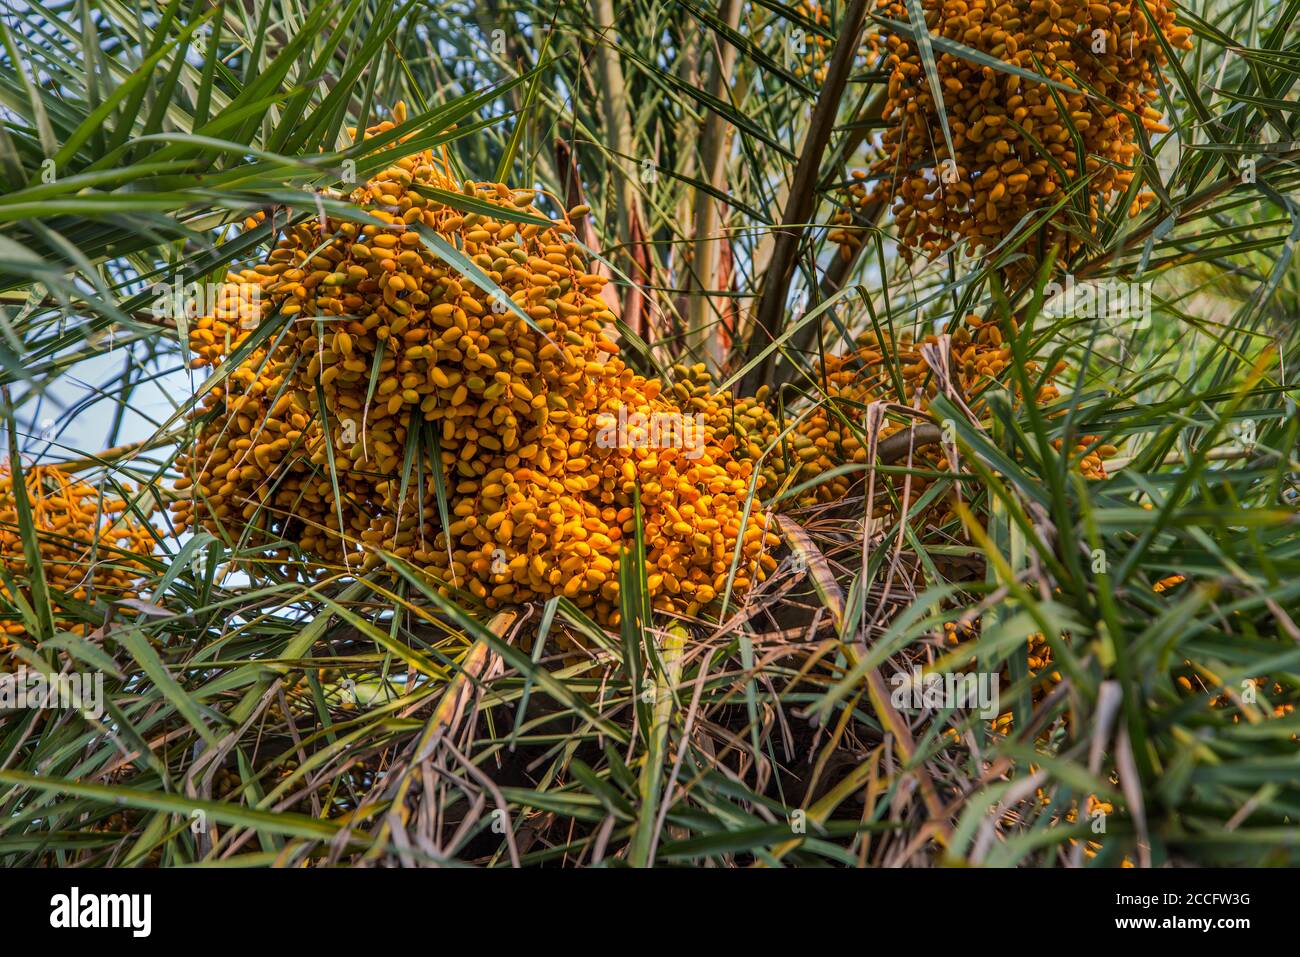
<point>1141,629</point>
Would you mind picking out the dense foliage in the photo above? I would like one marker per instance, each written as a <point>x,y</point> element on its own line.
<point>1003,390</point>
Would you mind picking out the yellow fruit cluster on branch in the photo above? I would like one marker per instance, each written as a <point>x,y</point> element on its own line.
<point>91,544</point>
<point>745,426</point>
<point>853,198</point>
<point>325,436</point>
<point>815,49</point>
<point>830,435</point>
<point>1014,149</point>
